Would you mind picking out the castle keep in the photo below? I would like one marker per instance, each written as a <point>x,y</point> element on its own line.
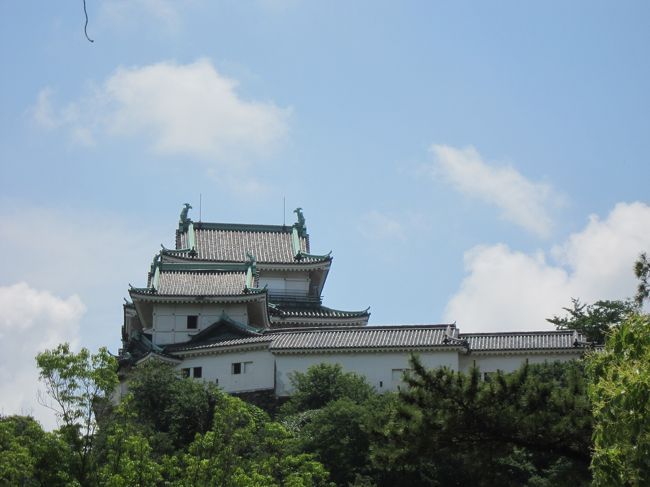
<point>240,306</point>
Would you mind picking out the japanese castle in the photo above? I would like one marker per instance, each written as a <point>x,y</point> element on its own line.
<point>240,306</point>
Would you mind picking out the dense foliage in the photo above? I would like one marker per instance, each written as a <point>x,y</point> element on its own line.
<point>530,427</point>
<point>30,456</point>
<point>620,392</point>
<point>168,431</point>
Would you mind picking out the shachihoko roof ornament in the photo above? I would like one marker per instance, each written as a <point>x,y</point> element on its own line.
<point>184,221</point>
<point>300,224</point>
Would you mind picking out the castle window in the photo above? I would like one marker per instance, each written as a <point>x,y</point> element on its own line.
<point>398,374</point>
<point>192,322</point>
<point>241,367</point>
<point>197,372</point>
<point>185,373</point>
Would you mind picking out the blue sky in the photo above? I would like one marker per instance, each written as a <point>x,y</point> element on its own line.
<point>464,161</point>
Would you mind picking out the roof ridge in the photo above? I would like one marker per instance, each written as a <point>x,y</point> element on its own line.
<point>355,328</point>
<point>243,227</point>
<point>503,333</point>
<point>205,271</point>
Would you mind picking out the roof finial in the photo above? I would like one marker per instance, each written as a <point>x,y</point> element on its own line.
<point>251,261</point>
<point>184,220</point>
<point>300,224</point>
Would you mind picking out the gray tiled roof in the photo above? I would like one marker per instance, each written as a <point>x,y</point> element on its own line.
<point>223,344</point>
<point>188,283</point>
<point>534,340</point>
<point>360,337</point>
<point>317,312</point>
<point>232,245</point>
<point>395,337</point>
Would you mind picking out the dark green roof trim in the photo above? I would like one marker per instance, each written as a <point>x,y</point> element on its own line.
<point>256,290</point>
<point>140,290</point>
<point>316,312</point>
<point>304,255</point>
<point>189,253</point>
<point>205,266</point>
<point>242,227</point>
<point>302,260</point>
<point>147,291</point>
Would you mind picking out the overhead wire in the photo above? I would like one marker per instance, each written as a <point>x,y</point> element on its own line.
<point>86,26</point>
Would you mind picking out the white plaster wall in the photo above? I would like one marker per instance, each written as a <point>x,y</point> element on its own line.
<point>510,363</point>
<point>170,320</point>
<point>377,367</point>
<point>259,373</point>
<point>295,282</point>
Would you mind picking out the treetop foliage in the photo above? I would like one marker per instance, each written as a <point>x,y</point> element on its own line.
<point>323,383</point>
<point>458,429</point>
<point>594,320</point>
<point>620,391</point>
<point>31,456</point>
<point>642,272</point>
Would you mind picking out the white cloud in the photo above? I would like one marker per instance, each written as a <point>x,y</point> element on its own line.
<point>90,254</point>
<point>521,201</point>
<point>188,110</point>
<point>31,321</point>
<point>509,290</point>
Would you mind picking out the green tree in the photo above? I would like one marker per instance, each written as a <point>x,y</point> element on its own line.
<point>333,412</point>
<point>323,383</point>
<point>79,386</point>
<point>128,460</point>
<point>620,393</point>
<point>31,456</point>
<point>170,409</point>
<point>336,434</point>
<point>521,428</point>
<point>594,320</point>
<point>642,272</point>
<point>245,448</point>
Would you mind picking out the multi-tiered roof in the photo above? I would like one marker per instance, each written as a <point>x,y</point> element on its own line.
<point>222,265</point>
<point>230,263</point>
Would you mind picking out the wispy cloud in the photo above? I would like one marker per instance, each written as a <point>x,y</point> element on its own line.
<point>32,320</point>
<point>521,201</point>
<point>179,109</point>
<point>509,290</point>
